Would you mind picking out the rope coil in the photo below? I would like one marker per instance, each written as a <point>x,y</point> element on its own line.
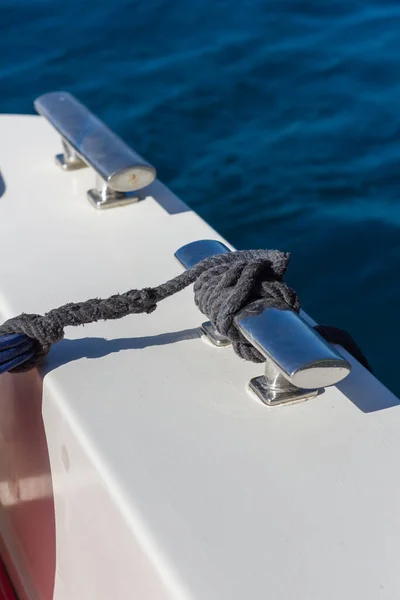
<point>223,285</point>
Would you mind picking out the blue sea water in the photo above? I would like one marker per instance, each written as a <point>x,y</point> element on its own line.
<point>277,120</point>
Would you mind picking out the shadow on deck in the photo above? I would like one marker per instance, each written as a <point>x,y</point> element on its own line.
<point>2,185</point>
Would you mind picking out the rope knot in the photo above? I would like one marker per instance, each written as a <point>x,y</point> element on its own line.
<point>231,281</point>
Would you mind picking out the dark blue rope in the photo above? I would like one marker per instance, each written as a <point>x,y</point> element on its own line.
<point>15,349</point>
<point>223,284</point>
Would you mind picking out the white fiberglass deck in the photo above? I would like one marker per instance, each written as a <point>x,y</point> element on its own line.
<point>154,473</point>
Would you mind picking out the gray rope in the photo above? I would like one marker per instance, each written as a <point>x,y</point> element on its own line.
<point>223,284</point>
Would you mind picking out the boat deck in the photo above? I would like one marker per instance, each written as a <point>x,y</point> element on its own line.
<point>136,462</point>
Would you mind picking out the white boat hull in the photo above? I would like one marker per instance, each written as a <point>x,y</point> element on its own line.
<point>136,463</point>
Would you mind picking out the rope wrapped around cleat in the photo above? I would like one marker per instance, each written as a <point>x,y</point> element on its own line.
<point>223,285</point>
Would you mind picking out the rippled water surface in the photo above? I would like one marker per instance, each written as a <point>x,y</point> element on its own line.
<point>278,121</point>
